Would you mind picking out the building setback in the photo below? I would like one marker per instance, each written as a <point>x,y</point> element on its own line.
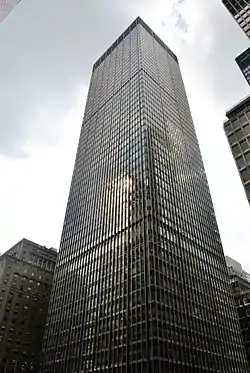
<point>26,273</point>
<point>141,282</point>
<point>240,10</point>
<point>237,129</point>
<point>240,286</point>
<point>243,61</point>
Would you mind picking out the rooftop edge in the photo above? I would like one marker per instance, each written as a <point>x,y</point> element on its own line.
<point>137,21</point>
<point>237,107</point>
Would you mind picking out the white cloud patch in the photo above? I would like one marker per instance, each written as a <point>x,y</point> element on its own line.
<point>177,14</point>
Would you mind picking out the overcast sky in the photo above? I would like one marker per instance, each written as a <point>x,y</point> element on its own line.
<point>47,51</point>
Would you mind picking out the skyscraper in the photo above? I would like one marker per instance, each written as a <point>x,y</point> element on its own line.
<point>240,10</point>
<point>6,6</point>
<point>243,61</point>
<point>141,282</point>
<point>237,129</point>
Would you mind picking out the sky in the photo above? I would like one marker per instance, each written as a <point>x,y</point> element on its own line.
<point>47,52</point>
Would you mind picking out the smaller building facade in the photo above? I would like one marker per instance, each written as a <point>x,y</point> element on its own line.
<point>240,10</point>
<point>240,286</point>
<point>243,61</point>
<point>26,274</point>
<point>235,269</point>
<point>237,129</point>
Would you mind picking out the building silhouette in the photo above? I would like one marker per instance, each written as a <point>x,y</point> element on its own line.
<point>26,273</point>
<point>141,282</point>
<point>237,129</point>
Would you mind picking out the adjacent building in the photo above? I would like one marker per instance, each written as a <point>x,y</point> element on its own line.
<point>6,6</point>
<point>237,129</point>
<point>240,286</point>
<point>141,282</point>
<point>26,273</point>
<point>243,61</point>
<point>240,10</point>
<point>235,270</point>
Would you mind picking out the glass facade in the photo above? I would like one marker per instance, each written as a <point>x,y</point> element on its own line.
<point>141,283</point>
<point>237,129</point>
<point>240,10</point>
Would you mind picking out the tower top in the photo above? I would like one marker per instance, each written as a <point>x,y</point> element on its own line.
<point>137,21</point>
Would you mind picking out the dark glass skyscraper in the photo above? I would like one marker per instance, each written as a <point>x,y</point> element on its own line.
<point>243,61</point>
<point>141,283</point>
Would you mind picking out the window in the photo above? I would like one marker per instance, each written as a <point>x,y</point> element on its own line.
<point>245,175</point>
<point>235,123</point>
<point>228,128</point>
<point>242,119</point>
<point>248,157</point>
<point>247,129</point>
<point>244,145</point>
<point>240,161</point>
<point>247,187</point>
<point>236,150</point>
<point>232,138</point>
<point>240,134</point>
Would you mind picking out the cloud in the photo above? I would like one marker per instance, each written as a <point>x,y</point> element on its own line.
<point>180,21</point>
<point>47,50</point>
